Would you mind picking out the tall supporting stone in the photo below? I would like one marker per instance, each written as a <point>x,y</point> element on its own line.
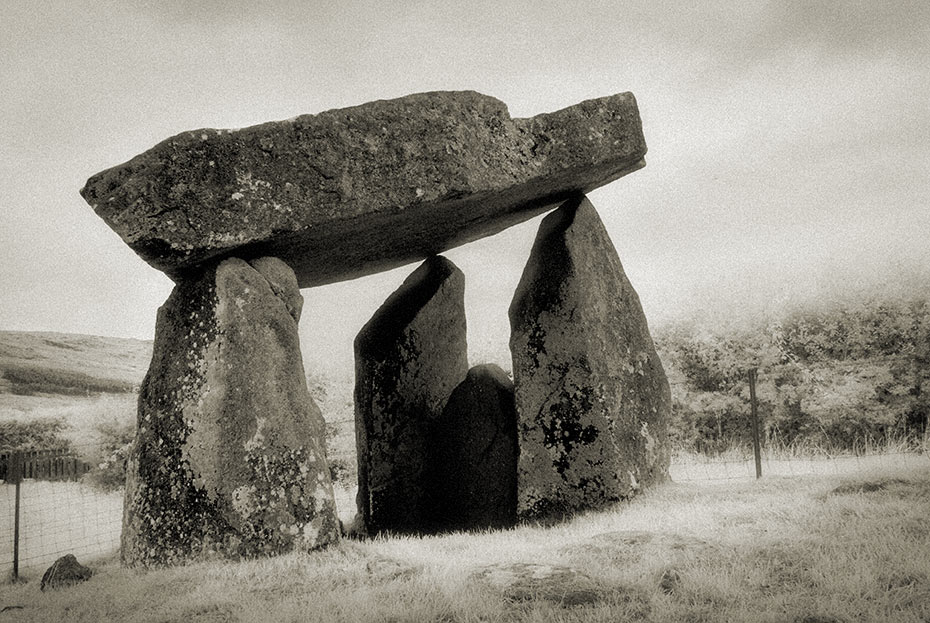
<point>408,359</point>
<point>474,459</point>
<point>591,395</point>
<point>228,458</point>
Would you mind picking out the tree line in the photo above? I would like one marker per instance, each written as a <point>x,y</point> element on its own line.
<point>835,379</point>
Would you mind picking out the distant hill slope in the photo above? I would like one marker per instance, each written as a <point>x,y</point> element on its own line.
<point>70,364</point>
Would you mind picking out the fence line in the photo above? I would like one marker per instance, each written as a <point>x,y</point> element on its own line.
<point>59,518</point>
<point>708,469</point>
<point>58,464</point>
<point>45,511</point>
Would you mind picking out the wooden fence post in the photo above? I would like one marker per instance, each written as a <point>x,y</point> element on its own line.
<point>756,446</point>
<point>14,475</point>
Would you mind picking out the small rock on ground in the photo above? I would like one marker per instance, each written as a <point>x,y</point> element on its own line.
<point>64,572</point>
<point>554,583</point>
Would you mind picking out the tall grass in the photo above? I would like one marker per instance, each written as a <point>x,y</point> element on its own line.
<point>774,449</point>
<point>835,548</point>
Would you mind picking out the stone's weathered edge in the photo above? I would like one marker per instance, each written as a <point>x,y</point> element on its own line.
<point>436,170</point>
<point>408,359</point>
<point>283,283</point>
<point>382,332</point>
<point>591,395</point>
<point>227,462</point>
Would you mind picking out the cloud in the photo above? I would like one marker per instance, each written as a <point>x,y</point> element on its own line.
<point>860,27</point>
<point>208,12</point>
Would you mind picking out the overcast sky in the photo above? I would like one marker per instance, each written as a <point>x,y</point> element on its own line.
<point>789,142</point>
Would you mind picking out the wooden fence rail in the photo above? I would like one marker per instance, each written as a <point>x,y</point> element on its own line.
<point>44,465</point>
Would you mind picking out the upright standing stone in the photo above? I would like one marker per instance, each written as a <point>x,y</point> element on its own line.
<point>408,359</point>
<point>474,466</point>
<point>229,457</point>
<point>591,395</point>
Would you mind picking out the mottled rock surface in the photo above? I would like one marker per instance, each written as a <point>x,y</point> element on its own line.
<point>436,170</point>
<point>591,395</point>
<point>559,584</point>
<point>64,572</point>
<point>229,457</point>
<point>475,454</point>
<point>408,359</point>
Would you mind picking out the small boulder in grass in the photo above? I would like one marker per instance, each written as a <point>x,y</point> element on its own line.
<point>565,586</point>
<point>64,572</point>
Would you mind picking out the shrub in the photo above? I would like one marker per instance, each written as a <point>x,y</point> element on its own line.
<point>831,378</point>
<point>38,434</point>
<point>340,469</point>
<point>116,441</point>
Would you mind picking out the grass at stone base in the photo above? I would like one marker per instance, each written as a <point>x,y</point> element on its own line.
<point>812,548</point>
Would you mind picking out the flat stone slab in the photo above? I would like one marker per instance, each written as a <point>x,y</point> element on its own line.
<point>541,582</point>
<point>354,191</point>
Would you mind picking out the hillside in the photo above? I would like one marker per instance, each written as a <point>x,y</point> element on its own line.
<point>69,364</point>
<point>91,383</point>
<point>86,382</point>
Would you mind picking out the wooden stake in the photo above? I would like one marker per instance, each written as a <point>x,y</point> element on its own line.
<point>756,446</point>
<point>15,475</point>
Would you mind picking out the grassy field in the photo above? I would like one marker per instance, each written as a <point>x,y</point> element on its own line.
<point>852,547</point>
<point>65,363</point>
<point>816,540</point>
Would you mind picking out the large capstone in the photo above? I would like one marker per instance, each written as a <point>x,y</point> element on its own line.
<point>436,170</point>
<point>474,461</point>
<point>228,458</point>
<point>408,359</point>
<point>591,395</point>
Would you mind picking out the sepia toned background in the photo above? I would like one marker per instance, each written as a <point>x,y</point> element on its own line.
<point>789,141</point>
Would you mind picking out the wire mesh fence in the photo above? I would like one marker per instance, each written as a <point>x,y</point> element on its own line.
<point>51,504</point>
<point>58,518</point>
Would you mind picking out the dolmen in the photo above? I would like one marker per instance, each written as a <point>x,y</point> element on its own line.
<point>229,457</point>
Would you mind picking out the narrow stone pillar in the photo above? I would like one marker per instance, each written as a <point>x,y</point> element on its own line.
<point>474,459</point>
<point>592,399</point>
<point>408,359</point>
<point>228,458</point>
